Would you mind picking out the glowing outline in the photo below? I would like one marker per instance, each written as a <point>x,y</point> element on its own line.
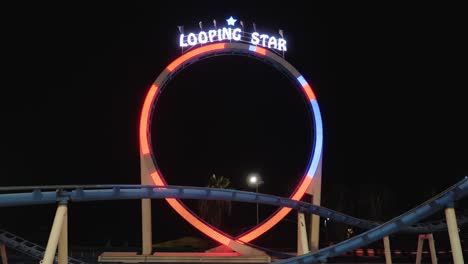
<point>179,207</point>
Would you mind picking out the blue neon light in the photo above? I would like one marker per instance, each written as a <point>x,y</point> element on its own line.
<point>318,138</point>
<point>302,80</point>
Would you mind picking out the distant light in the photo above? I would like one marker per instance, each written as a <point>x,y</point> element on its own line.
<point>253,179</point>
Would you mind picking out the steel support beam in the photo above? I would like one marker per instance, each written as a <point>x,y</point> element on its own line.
<point>3,253</point>
<point>387,251</point>
<point>302,244</point>
<point>454,236</point>
<point>315,190</point>
<point>63,241</point>
<point>54,236</point>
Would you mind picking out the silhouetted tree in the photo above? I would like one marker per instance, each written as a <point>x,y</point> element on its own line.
<point>214,211</point>
<point>336,197</point>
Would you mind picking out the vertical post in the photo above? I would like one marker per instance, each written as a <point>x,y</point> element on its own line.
<point>51,248</point>
<point>146,226</point>
<point>146,223</point>
<point>454,236</point>
<point>315,227</point>
<point>3,253</point>
<point>63,241</point>
<point>315,189</point>
<point>420,248</point>
<point>432,249</point>
<point>256,191</point>
<point>387,251</point>
<point>302,245</point>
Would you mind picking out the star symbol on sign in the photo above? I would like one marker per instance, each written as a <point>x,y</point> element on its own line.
<point>231,21</point>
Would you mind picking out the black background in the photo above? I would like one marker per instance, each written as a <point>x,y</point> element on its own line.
<point>390,81</point>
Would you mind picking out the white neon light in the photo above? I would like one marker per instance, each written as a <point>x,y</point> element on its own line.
<point>227,33</point>
<point>236,34</point>
<point>192,39</point>
<point>211,35</point>
<point>255,40</point>
<point>231,21</point>
<point>272,43</point>
<point>202,37</point>
<point>282,44</point>
<point>263,37</point>
<point>224,33</point>
<point>182,43</point>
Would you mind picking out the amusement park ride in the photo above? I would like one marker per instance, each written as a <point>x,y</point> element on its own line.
<point>233,41</point>
<point>254,45</point>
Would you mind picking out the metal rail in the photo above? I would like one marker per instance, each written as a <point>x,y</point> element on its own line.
<point>27,247</point>
<point>439,202</point>
<point>30,195</point>
<point>36,195</point>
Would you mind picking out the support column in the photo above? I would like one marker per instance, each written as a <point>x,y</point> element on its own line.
<point>454,236</point>
<point>302,245</point>
<point>432,249</point>
<point>3,253</point>
<point>63,242</point>
<point>387,251</point>
<point>146,166</point>
<point>51,248</point>
<point>430,240</point>
<point>315,190</point>
<point>419,249</point>
<point>146,226</point>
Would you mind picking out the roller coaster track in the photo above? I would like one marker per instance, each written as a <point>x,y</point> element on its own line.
<point>439,202</point>
<point>31,249</point>
<point>31,195</point>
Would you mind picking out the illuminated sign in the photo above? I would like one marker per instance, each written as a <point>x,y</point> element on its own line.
<point>229,34</point>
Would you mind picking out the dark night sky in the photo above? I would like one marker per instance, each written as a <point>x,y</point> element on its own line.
<point>390,81</point>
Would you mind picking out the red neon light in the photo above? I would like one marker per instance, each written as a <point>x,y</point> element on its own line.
<point>187,56</point>
<point>157,180</point>
<point>273,220</point>
<point>208,230</point>
<point>310,94</point>
<point>199,254</point>
<point>266,225</point>
<point>302,188</point>
<point>261,51</point>
<point>221,238</point>
<point>144,119</point>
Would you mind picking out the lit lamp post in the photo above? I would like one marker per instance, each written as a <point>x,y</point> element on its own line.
<point>255,180</point>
